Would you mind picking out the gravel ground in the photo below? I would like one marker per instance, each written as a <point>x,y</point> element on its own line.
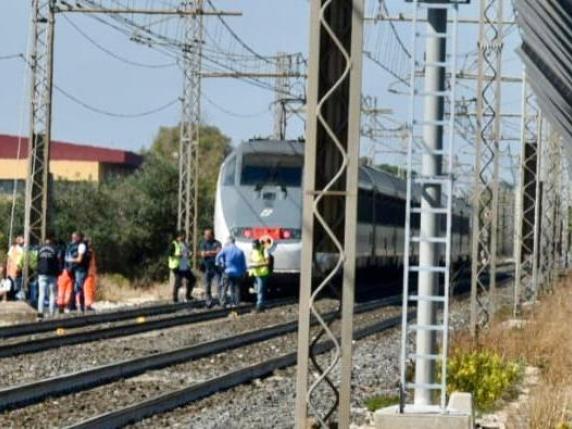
<point>36,366</point>
<point>264,403</point>
<point>270,402</point>
<point>73,408</point>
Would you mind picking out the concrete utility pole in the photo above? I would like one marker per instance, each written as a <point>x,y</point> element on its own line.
<point>37,182</point>
<point>188,212</point>
<point>486,191</point>
<point>330,203</point>
<point>527,204</point>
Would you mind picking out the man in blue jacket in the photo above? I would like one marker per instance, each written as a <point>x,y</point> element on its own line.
<point>232,261</point>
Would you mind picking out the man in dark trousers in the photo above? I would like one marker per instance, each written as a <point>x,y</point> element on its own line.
<point>49,268</point>
<point>232,262</point>
<point>180,267</point>
<point>77,264</point>
<point>210,247</point>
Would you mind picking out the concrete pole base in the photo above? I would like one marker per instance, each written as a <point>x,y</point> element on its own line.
<point>459,415</point>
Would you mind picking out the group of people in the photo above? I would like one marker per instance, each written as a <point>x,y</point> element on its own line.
<point>63,276</point>
<point>225,267</point>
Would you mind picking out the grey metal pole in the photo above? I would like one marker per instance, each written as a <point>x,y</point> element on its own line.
<point>519,207</point>
<point>486,173</point>
<point>37,181</point>
<point>428,282</point>
<point>330,205</point>
<point>187,213</point>
<point>281,89</point>
<point>350,233</point>
<point>306,264</point>
<point>537,213</point>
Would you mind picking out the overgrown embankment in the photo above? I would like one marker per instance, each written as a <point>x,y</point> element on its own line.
<point>543,340</point>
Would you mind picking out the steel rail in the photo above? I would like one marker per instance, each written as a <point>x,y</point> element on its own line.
<point>34,392</point>
<point>169,401</point>
<point>94,319</point>
<point>186,395</point>
<point>48,343</point>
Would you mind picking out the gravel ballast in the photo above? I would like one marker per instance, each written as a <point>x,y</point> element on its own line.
<point>73,408</point>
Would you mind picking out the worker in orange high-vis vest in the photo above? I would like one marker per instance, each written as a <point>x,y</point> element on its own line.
<point>65,289</point>
<point>91,281</point>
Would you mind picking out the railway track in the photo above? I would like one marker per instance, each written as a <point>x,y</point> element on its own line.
<point>137,327</point>
<point>169,401</point>
<point>35,392</point>
<point>186,395</point>
<point>53,325</point>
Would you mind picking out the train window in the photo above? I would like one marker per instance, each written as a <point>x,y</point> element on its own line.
<point>365,206</point>
<point>263,169</point>
<point>229,172</point>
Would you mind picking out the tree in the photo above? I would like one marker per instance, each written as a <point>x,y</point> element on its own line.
<point>213,148</point>
<point>131,220</point>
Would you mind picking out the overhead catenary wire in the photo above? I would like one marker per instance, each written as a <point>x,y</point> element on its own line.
<point>104,112</point>
<point>91,108</point>
<point>231,113</point>
<point>113,54</point>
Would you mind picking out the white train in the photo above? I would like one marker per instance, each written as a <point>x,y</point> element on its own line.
<point>259,194</point>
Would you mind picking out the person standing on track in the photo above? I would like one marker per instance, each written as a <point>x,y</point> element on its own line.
<point>208,250</point>
<point>49,268</point>
<point>233,264</point>
<point>77,264</point>
<point>259,269</point>
<point>180,267</point>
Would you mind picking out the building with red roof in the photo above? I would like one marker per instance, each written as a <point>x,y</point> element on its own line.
<point>68,161</point>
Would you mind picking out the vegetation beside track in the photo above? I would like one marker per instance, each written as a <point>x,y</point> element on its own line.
<point>542,340</point>
<point>131,220</point>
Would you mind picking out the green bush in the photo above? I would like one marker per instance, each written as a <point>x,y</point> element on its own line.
<point>485,374</point>
<point>130,220</point>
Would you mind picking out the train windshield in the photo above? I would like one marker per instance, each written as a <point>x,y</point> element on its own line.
<point>263,169</point>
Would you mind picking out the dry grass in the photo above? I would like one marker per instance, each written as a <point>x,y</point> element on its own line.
<point>117,289</point>
<point>543,341</point>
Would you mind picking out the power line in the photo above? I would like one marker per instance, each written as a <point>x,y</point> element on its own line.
<point>114,114</point>
<point>11,57</point>
<point>239,40</point>
<point>231,113</point>
<point>113,54</point>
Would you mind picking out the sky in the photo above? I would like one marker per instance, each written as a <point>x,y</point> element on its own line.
<point>240,110</point>
<point>108,84</point>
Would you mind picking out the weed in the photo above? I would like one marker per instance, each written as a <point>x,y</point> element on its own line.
<point>487,375</point>
<point>381,401</point>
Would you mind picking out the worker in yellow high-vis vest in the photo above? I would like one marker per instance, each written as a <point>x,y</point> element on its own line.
<point>180,267</point>
<point>258,267</point>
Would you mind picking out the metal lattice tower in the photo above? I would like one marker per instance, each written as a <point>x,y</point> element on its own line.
<point>550,170</point>
<point>565,209</point>
<point>486,187</point>
<point>41,63</point>
<point>330,206</point>
<point>527,203</point>
<point>187,215</point>
<point>427,252</point>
